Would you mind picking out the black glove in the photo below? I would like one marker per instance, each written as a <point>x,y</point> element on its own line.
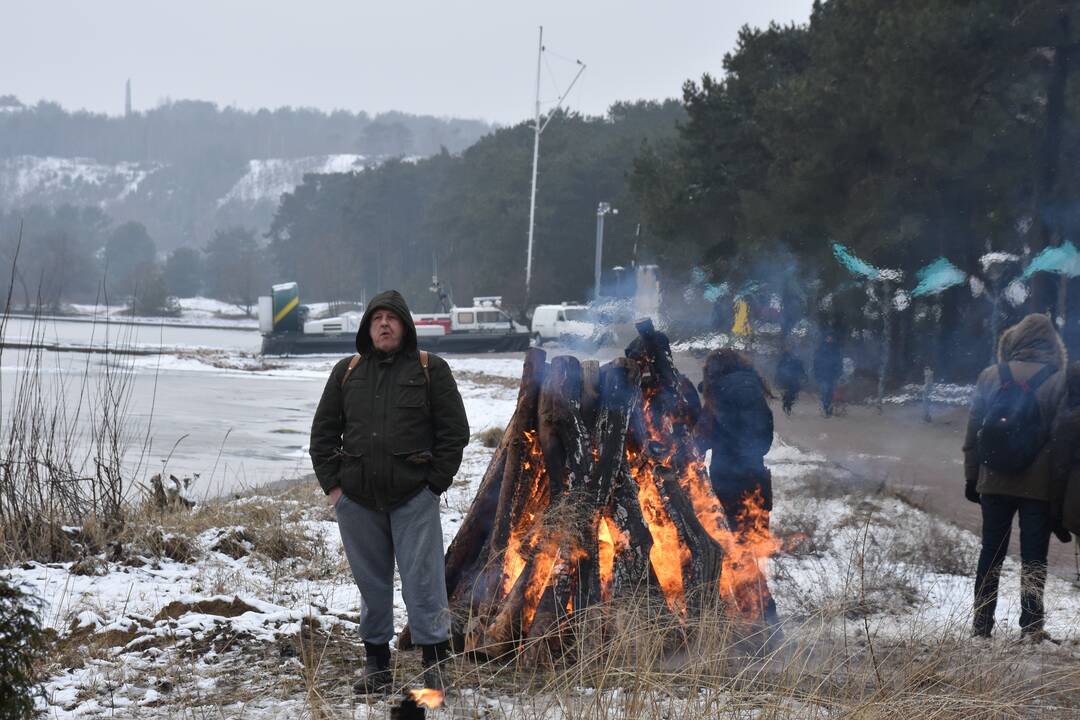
<point>970,492</point>
<point>1062,534</point>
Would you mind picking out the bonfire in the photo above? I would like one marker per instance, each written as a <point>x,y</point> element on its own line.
<point>597,492</point>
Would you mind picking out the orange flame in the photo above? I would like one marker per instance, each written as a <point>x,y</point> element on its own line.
<point>668,555</point>
<point>609,541</point>
<point>524,532</point>
<point>546,560</point>
<point>747,547</point>
<point>427,698</point>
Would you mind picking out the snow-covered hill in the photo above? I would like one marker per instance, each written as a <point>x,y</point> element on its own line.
<point>206,195</point>
<point>28,180</point>
<point>268,180</point>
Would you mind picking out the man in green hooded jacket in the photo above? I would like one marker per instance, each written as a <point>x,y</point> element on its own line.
<point>386,441</point>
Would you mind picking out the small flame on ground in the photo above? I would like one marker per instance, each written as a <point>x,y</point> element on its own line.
<point>427,698</point>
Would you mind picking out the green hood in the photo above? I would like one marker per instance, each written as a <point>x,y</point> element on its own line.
<point>389,300</point>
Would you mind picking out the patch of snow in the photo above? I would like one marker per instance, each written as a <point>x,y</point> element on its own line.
<point>267,180</point>
<point>993,258</point>
<point>941,393</point>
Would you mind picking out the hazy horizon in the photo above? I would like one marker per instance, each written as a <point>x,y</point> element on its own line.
<point>428,58</point>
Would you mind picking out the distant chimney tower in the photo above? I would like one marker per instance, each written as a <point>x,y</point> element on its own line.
<point>127,99</point>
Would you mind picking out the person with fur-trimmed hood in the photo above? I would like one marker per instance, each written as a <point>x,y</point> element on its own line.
<point>386,442</point>
<point>1007,468</point>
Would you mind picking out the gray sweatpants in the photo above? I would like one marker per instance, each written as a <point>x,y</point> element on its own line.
<point>412,533</point>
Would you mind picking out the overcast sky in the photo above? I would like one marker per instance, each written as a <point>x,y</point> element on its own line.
<point>465,58</point>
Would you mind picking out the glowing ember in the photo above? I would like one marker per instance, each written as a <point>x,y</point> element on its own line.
<point>427,698</point>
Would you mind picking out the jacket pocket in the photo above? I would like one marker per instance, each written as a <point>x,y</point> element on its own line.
<point>411,469</point>
<point>412,393</point>
<point>351,476</point>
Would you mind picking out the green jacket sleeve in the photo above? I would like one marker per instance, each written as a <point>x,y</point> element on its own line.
<point>326,429</point>
<point>450,425</point>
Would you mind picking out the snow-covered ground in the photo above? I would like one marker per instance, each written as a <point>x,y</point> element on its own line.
<point>212,627</point>
<point>193,310</point>
<point>942,393</point>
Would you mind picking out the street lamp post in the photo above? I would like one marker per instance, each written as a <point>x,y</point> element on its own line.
<point>601,210</point>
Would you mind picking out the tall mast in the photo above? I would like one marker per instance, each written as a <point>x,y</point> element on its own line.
<point>536,159</point>
<point>537,130</point>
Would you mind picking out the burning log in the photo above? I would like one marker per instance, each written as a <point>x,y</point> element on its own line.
<point>596,491</point>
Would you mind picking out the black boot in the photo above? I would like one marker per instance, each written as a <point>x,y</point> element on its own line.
<point>435,665</point>
<point>376,678</point>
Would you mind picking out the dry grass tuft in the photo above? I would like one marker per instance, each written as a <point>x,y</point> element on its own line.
<point>490,437</point>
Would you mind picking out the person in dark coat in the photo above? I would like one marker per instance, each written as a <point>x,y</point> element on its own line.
<point>737,425</point>
<point>1030,348</point>
<point>386,442</point>
<point>1065,461</point>
<point>828,367</point>
<point>790,376</point>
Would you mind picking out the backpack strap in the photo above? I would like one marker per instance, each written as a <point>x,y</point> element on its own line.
<point>1040,377</point>
<point>1005,375</point>
<point>424,365</point>
<point>353,362</point>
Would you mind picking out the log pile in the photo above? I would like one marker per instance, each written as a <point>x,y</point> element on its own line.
<point>596,491</point>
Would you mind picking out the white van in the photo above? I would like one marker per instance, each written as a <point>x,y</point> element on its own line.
<point>566,322</point>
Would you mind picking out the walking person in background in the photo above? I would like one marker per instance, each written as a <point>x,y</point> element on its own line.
<point>828,367</point>
<point>790,376</point>
<point>1007,465</point>
<point>736,424</point>
<point>386,441</point>
<point>1065,462</point>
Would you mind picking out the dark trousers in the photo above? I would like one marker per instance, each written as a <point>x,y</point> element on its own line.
<point>828,390</point>
<point>997,516</point>
<point>789,398</point>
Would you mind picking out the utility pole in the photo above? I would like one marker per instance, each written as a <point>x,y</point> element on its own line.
<point>537,130</point>
<point>536,159</point>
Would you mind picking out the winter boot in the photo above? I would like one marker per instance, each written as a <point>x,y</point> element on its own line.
<point>435,664</point>
<point>376,678</point>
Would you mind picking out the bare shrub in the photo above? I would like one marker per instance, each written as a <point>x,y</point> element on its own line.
<point>937,548</point>
<point>63,444</point>
<point>799,532</point>
<point>490,437</point>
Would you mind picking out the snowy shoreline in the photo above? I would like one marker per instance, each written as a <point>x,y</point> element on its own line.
<point>850,557</point>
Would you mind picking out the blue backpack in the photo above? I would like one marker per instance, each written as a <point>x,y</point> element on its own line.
<point>1011,433</point>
